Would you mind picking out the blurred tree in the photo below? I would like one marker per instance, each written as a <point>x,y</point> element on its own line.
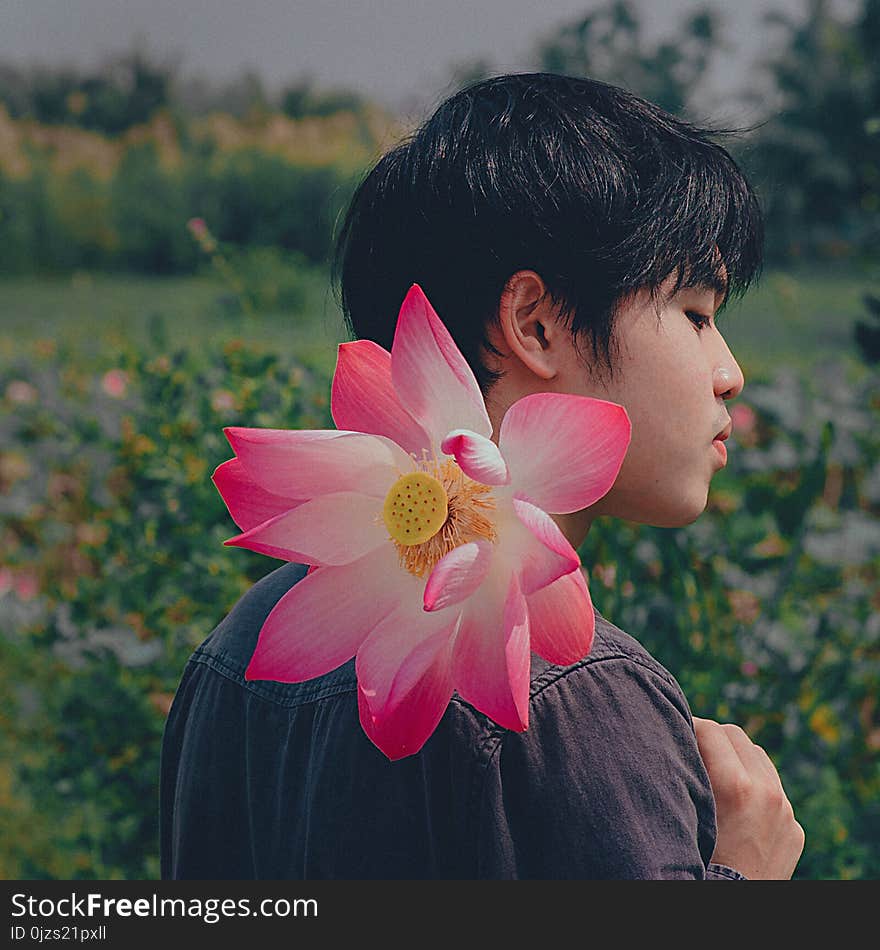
<point>258,199</point>
<point>302,98</point>
<point>46,94</point>
<point>148,207</point>
<point>126,91</point>
<point>817,161</point>
<point>245,96</point>
<point>14,90</point>
<point>129,92</point>
<point>607,44</point>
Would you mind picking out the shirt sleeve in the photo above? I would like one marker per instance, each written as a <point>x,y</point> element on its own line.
<point>721,872</point>
<point>606,783</point>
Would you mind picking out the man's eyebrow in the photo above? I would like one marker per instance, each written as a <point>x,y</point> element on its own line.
<point>716,283</point>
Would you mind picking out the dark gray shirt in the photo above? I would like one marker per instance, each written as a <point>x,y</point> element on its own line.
<point>279,781</point>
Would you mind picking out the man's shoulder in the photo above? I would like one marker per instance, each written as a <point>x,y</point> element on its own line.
<point>231,644</point>
<point>234,638</point>
<point>229,648</point>
<point>610,643</point>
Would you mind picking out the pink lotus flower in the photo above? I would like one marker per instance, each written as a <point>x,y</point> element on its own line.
<point>434,558</point>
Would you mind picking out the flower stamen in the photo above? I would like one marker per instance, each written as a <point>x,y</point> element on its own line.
<point>434,509</point>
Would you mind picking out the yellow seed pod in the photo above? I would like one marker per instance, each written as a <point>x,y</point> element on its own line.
<point>415,508</point>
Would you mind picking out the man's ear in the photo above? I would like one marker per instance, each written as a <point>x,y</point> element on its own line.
<point>529,329</point>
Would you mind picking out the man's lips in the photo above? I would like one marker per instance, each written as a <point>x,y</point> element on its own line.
<point>719,440</point>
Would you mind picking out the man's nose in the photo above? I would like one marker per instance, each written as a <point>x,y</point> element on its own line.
<point>728,378</point>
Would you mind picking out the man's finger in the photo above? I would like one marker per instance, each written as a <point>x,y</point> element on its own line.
<point>724,765</point>
<point>767,765</point>
<point>742,744</point>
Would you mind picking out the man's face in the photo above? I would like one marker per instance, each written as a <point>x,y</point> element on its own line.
<point>670,377</point>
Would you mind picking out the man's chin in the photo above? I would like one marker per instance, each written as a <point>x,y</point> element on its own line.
<point>678,517</point>
<point>653,510</point>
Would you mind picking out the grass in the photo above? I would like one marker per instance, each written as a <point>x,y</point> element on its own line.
<point>799,318</point>
<point>795,318</point>
<point>93,315</point>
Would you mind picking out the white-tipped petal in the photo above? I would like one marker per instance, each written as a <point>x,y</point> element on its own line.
<point>457,575</point>
<point>432,378</point>
<point>477,456</point>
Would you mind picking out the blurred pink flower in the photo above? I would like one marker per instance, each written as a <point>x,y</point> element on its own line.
<point>21,391</point>
<point>440,568</point>
<point>608,575</point>
<point>743,418</point>
<point>115,383</point>
<point>62,485</point>
<point>199,230</point>
<point>749,668</point>
<point>197,227</point>
<point>26,585</point>
<point>222,400</point>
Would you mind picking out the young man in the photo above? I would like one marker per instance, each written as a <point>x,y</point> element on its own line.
<point>573,238</point>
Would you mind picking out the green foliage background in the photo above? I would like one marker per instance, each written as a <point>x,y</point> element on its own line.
<point>133,221</point>
<point>109,505</point>
<point>767,608</point>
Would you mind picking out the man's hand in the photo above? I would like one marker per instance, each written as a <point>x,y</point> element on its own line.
<point>757,832</point>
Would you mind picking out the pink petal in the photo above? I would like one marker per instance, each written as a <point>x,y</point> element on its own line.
<point>433,380</point>
<point>491,658</point>
<point>416,715</point>
<point>580,440</point>
<point>398,650</point>
<point>531,545</point>
<point>363,398</point>
<point>322,620</point>
<point>331,529</point>
<point>562,620</point>
<point>477,456</point>
<point>457,575</point>
<point>309,462</point>
<point>248,504</point>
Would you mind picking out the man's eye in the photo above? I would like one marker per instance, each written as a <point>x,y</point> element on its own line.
<point>700,320</point>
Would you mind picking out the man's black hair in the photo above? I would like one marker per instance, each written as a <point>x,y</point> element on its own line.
<point>600,192</point>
